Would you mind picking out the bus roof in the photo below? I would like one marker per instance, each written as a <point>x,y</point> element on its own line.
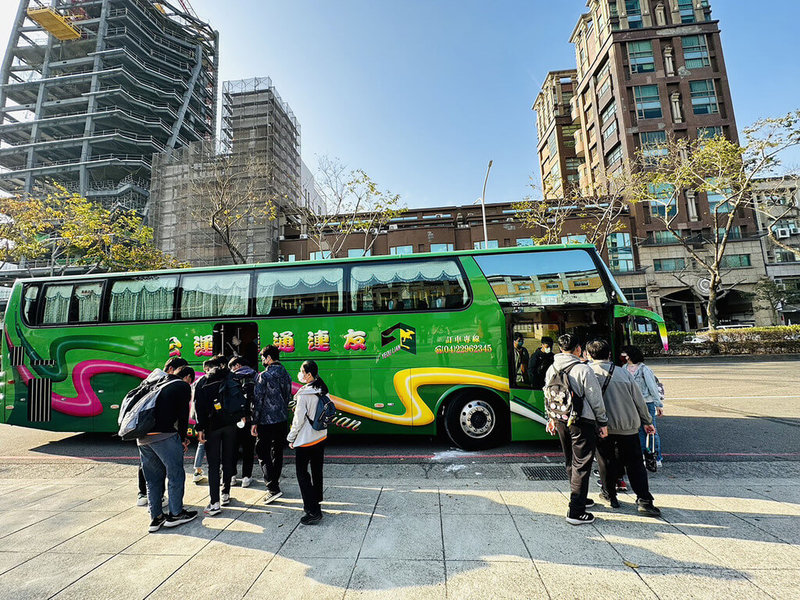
<point>286,264</point>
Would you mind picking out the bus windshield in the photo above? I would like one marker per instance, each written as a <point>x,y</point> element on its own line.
<point>546,278</point>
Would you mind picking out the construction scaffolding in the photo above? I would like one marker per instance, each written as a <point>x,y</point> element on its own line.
<point>258,157</point>
<point>91,89</point>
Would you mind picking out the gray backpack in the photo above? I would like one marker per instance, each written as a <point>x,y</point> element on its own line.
<point>141,418</point>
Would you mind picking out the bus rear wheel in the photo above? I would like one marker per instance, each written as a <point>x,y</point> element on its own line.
<point>474,421</point>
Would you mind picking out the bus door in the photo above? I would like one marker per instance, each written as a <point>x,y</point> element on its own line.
<point>237,339</point>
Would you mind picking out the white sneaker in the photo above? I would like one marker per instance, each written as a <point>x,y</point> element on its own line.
<point>164,501</point>
<point>226,499</point>
<point>658,464</point>
<point>246,481</point>
<point>233,481</point>
<point>141,500</point>
<point>198,477</point>
<point>212,509</point>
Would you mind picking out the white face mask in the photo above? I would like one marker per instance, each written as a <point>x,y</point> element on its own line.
<point>301,377</point>
<point>547,350</point>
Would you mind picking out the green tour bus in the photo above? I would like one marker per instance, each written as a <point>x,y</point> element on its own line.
<point>407,344</point>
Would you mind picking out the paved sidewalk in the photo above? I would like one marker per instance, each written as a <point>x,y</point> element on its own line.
<point>71,530</point>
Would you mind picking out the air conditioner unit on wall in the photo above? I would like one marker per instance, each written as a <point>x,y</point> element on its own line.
<point>392,226</point>
<point>782,233</point>
<point>794,229</point>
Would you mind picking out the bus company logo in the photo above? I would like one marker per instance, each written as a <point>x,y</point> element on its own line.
<point>405,334</point>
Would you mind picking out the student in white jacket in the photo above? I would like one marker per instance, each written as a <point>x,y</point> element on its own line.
<point>308,443</point>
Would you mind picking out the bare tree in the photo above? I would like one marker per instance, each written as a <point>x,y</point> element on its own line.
<point>234,192</point>
<point>725,172</point>
<point>354,205</point>
<point>599,210</point>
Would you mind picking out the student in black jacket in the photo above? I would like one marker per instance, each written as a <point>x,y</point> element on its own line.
<point>217,429</point>
<point>161,450</point>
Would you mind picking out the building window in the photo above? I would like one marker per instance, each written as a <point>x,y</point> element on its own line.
<point>320,255</point>
<point>735,233</point>
<point>653,146</point>
<point>524,242</point>
<point>358,253</point>
<point>664,203</point>
<point>669,264</point>
<point>620,252</point>
<point>704,97</point>
<point>784,256</point>
<point>648,104</point>
<point>552,144</point>
<point>573,239</point>
<point>708,133</point>
<point>489,244</point>
<point>664,237</point>
<point>686,9</point>
<point>640,57</point>
<point>573,164</point>
<point>602,80</point>
<point>735,261</point>
<point>608,112</point>
<point>695,52</point>
<point>719,202</point>
<point>401,250</point>
<point>637,294</point>
<point>614,156</point>
<point>610,130</point>
<point>568,135</point>
<point>442,247</point>
<point>634,11</point>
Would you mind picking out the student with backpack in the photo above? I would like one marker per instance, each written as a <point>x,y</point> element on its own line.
<point>245,443</point>
<point>313,412</point>
<point>220,408</point>
<point>620,452</point>
<point>653,393</point>
<point>577,415</point>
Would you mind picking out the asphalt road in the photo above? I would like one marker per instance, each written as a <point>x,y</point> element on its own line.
<point>716,410</point>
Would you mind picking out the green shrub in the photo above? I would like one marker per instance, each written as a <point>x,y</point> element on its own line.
<point>753,340</point>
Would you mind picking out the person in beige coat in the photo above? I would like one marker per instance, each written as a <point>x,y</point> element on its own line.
<point>308,443</point>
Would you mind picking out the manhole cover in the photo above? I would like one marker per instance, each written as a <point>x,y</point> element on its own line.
<point>545,472</point>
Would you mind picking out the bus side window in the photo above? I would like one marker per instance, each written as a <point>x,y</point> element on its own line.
<point>30,295</point>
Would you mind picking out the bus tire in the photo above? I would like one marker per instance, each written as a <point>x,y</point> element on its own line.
<point>476,420</point>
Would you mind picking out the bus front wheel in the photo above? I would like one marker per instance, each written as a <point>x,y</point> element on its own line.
<point>475,421</point>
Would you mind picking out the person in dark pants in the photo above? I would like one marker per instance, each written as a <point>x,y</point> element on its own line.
<point>521,359</point>
<point>541,360</point>
<point>621,451</point>
<point>579,439</point>
<point>161,451</point>
<point>245,442</point>
<point>308,443</point>
<point>217,429</point>
<point>271,397</point>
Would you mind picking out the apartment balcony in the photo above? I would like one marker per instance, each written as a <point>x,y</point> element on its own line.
<point>580,150</point>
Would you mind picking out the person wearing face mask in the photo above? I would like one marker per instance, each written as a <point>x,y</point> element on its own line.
<point>540,362</point>
<point>308,443</point>
<point>521,359</point>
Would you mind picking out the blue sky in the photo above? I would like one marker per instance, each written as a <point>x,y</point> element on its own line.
<point>421,94</point>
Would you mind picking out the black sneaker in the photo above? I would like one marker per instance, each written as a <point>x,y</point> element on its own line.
<point>156,523</point>
<point>272,496</point>
<point>584,519</point>
<point>612,500</point>
<point>183,517</point>
<point>311,519</point>
<point>647,509</point>
<point>589,503</point>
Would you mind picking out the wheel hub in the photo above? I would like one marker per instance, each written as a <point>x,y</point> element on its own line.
<point>477,419</point>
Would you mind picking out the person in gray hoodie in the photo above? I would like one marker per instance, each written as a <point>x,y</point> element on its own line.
<point>579,439</point>
<point>620,452</point>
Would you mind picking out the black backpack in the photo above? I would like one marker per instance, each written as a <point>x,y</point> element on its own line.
<point>232,398</point>
<point>561,403</point>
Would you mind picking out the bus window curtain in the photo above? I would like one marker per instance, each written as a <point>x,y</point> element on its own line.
<point>215,295</point>
<point>299,284</point>
<point>56,304</point>
<point>88,297</point>
<point>142,300</point>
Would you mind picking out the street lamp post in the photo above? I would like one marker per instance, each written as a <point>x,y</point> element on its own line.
<point>483,207</point>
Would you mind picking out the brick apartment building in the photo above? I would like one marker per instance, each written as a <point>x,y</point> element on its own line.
<point>646,71</point>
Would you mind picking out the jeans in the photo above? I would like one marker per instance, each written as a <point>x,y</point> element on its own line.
<point>620,454</point>
<point>199,455</point>
<point>163,459</point>
<point>246,443</point>
<point>310,484</point>
<point>269,448</point>
<point>142,482</point>
<point>578,442</point>
<point>651,407</point>
<point>220,448</point>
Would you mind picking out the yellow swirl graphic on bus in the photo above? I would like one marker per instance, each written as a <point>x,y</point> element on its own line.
<point>406,384</point>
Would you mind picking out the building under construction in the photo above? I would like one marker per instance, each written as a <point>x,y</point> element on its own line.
<point>91,89</point>
<point>208,203</point>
